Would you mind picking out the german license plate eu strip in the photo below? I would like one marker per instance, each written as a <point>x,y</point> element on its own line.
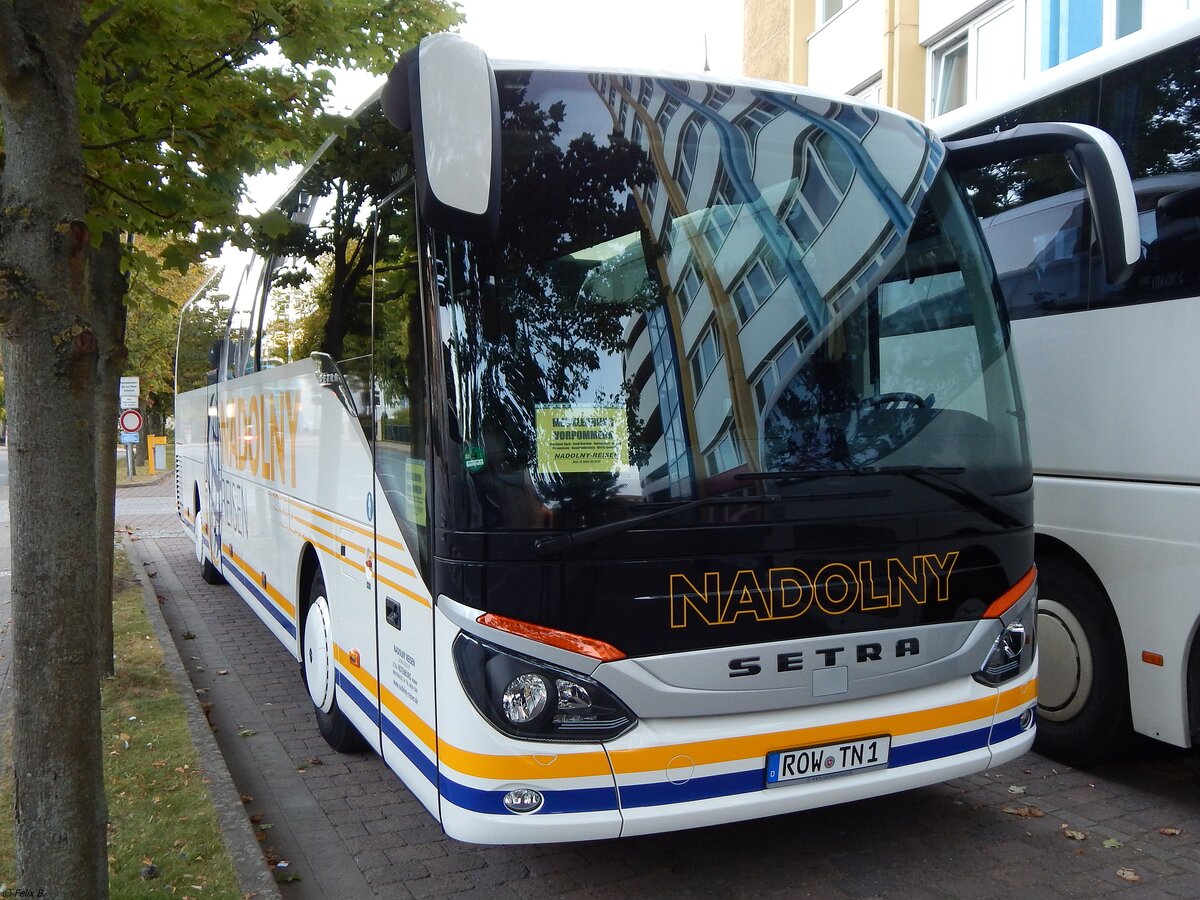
<point>827,761</point>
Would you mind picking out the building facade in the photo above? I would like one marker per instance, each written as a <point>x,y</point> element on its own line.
<point>927,57</point>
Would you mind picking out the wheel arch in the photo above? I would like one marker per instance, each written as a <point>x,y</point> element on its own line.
<point>308,567</point>
<point>1045,546</point>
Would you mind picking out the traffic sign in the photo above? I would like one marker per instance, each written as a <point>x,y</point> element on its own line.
<point>128,391</point>
<point>131,421</point>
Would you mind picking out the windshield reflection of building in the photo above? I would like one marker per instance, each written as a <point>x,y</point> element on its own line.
<point>774,216</point>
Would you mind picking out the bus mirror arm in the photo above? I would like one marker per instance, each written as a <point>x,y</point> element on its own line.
<point>1105,175</point>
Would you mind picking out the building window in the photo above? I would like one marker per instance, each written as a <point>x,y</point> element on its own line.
<point>726,453</point>
<point>782,366</point>
<point>753,288</point>
<point>983,60</point>
<point>688,287</point>
<point>706,355</point>
<point>1069,28</point>
<point>721,214</point>
<point>829,9</point>
<point>760,114</point>
<point>689,150</point>
<point>950,90</point>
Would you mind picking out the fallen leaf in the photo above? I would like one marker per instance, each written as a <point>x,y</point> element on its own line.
<point>246,732</point>
<point>246,798</point>
<point>1016,789</point>
<point>222,671</point>
<point>256,818</point>
<point>1170,830</point>
<point>1129,875</point>
<point>1025,812</point>
<point>1113,843</point>
<point>1074,834</point>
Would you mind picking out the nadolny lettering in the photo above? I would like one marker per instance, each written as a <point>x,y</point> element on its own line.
<point>790,592</point>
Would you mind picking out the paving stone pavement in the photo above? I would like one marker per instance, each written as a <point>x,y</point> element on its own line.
<point>348,828</point>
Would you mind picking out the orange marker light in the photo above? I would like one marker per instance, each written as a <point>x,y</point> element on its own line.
<point>1154,659</point>
<point>1008,599</point>
<point>553,637</point>
<point>355,658</point>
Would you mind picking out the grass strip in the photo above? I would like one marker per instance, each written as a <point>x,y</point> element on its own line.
<point>163,839</point>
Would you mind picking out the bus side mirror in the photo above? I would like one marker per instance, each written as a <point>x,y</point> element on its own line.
<point>1105,175</point>
<point>444,93</point>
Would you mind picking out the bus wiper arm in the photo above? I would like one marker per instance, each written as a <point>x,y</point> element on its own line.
<point>549,545</point>
<point>994,509</point>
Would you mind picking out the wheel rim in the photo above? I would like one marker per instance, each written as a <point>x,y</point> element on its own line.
<point>318,655</point>
<point>199,525</point>
<point>1065,665</point>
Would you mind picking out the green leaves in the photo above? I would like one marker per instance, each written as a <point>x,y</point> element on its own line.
<point>180,102</point>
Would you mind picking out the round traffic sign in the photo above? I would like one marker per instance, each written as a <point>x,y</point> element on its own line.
<point>131,421</point>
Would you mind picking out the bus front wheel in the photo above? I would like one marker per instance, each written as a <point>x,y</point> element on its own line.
<point>1083,689</point>
<point>317,662</point>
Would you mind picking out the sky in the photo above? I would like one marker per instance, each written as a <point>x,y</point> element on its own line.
<point>667,35</point>
<point>648,34</point>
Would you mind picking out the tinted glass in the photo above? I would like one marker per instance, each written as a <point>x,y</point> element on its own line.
<point>877,339</point>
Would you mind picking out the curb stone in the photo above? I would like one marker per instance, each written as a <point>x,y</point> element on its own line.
<point>254,878</point>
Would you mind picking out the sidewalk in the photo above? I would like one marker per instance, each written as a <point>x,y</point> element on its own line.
<point>313,861</point>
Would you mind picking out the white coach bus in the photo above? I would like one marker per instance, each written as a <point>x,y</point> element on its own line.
<point>620,453</point>
<point>1112,385</point>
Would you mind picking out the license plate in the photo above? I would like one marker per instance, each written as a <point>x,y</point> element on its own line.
<point>809,763</point>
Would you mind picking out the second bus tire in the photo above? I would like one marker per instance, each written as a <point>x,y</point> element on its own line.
<point>1083,704</point>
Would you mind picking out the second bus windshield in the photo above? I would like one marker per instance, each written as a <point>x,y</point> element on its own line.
<point>695,284</point>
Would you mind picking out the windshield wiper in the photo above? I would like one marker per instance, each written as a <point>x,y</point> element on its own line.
<point>977,500</point>
<point>584,536</point>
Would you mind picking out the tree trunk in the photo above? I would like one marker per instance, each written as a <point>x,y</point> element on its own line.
<point>50,357</point>
<point>108,289</point>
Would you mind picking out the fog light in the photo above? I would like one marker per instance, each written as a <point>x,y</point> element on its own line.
<point>525,698</point>
<point>1027,719</point>
<point>523,800</point>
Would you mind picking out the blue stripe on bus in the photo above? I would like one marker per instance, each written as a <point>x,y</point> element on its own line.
<point>1008,729</point>
<point>411,751</point>
<point>937,748</point>
<point>276,613</point>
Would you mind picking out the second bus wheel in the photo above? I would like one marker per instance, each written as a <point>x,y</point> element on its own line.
<point>317,661</point>
<point>1083,689</point>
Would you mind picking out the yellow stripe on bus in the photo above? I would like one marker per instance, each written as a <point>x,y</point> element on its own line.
<point>351,526</point>
<point>257,577</point>
<point>596,763</point>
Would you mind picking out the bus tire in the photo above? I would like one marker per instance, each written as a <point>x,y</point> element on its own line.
<point>1083,687</point>
<point>208,571</point>
<point>317,664</point>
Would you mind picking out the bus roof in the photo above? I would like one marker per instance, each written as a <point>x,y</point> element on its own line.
<point>1070,73</point>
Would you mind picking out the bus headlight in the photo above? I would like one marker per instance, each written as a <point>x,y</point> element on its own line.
<point>533,700</point>
<point>1012,651</point>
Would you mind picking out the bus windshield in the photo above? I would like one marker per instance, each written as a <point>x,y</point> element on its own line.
<point>794,291</point>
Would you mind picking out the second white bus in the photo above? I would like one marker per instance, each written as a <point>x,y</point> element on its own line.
<point>1112,384</point>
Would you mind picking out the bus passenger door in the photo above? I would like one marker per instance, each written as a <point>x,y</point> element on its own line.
<point>400,437</point>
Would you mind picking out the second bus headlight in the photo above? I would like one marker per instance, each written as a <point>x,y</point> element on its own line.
<point>533,700</point>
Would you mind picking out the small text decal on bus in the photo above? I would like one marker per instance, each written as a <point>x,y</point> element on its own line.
<point>258,435</point>
<point>789,592</point>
